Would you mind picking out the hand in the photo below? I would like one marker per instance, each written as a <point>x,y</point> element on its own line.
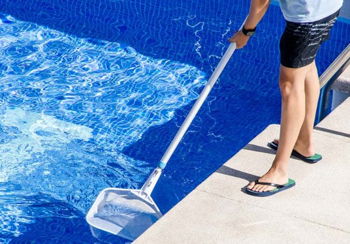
<point>240,39</point>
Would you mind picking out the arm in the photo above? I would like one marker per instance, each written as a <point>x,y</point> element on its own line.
<point>256,13</point>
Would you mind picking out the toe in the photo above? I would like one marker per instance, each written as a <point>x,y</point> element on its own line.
<point>255,187</point>
<point>259,187</point>
<point>251,185</point>
<point>262,189</point>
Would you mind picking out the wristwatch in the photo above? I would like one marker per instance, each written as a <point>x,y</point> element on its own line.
<point>248,32</point>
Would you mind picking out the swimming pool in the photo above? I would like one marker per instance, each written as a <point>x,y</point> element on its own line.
<point>93,91</point>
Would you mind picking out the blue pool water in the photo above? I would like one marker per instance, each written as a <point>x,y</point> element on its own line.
<point>92,92</point>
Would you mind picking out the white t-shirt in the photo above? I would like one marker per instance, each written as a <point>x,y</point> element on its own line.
<point>301,11</point>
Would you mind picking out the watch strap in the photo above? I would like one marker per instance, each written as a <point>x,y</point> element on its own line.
<point>248,32</point>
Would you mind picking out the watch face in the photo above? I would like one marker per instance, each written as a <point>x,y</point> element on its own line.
<point>250,33</point>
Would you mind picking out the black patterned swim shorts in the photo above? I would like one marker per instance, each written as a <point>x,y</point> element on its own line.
<point>300,41</point>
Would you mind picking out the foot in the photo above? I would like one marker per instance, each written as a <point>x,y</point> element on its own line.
<point>306,150</point>
<point>272,176</point>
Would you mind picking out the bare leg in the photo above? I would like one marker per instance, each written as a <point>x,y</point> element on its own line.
<point>292,86</point>
<point>304,143</point>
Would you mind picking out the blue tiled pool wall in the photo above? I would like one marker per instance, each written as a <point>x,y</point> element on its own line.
<point>244,101</point>
<point>164,29</point>
<point>175,30</point>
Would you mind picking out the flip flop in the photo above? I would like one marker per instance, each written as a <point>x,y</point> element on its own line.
<point>312,159</point>
<point>278,188</point>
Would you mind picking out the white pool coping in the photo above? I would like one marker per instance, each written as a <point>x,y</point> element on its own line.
<point>316,210</point>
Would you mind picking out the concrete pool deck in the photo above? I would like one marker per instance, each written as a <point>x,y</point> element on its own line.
<point>316,210</point>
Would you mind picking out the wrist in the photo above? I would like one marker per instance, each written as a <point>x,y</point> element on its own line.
<point>248,31</point>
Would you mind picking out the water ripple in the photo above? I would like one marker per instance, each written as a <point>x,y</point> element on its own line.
<point>68,108</point>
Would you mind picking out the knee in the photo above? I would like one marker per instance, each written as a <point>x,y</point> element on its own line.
<point>285,88</point>
<point>290,88</point>
<point>292,82</point>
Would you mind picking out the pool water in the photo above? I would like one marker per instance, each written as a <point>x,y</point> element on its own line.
<point>92,93</point>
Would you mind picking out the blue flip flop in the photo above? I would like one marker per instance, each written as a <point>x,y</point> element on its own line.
<point>278,188</point>
<point>312,159</point>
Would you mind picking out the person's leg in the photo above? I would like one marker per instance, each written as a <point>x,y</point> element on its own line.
<point>304,143</point>
<point>292,86</point>
<point>298,47</point>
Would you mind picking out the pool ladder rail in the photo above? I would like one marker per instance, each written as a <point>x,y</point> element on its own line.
<point>327,79</point>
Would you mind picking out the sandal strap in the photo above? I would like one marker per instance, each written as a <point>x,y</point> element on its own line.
<point>268,184</point>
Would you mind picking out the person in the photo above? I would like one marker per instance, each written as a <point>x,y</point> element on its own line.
<point>308,23</point>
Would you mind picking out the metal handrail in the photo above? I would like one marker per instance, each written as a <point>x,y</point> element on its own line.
<point>327,79</point>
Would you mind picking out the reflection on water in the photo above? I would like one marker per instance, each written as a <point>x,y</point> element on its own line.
<point>68,107</point>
